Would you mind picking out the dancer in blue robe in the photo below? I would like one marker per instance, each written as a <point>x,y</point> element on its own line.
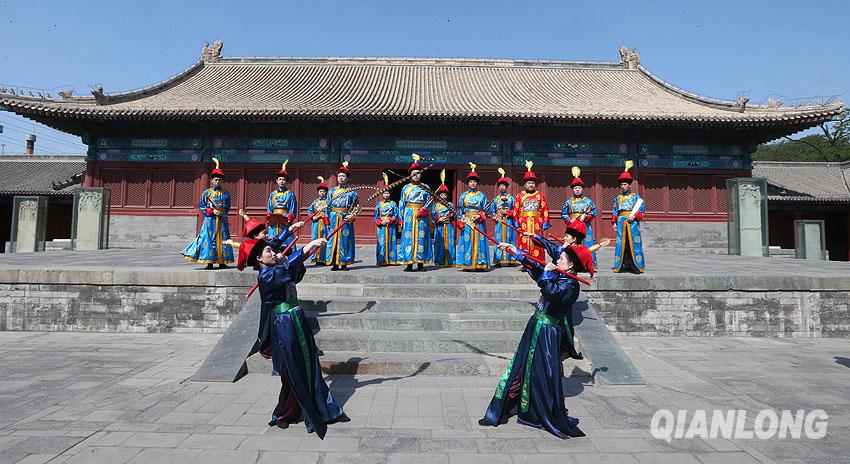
<point>414,211</point>
<point>531,386</point>
<point>502,208</point>
<point>320,222</point>
<point>626,216</point>
<point>444,229</point>
<point>473,252</point>
<point>340,250</point>
<point>209,247</point>
<point>282,207</point>
<point>286,335</point>
<point>386,226</point>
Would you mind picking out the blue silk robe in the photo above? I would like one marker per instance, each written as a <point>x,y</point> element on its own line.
<point>628,234</point>
<point>385,249</point>
<point>573,208</point>
<point>285,332</point>
<point>444,236</point>
<point>503,233</point>
<point>319,228</point>
<point>415,244</point>
<point>282,202</point>
<point>532,381</point>
<point>208,247</point>
<point>472,250</point>
<point>340,250</point>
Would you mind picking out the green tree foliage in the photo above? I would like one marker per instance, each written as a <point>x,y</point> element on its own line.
<point>832,144</point>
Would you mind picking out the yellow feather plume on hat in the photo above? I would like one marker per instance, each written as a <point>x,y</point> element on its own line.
<point>415,157</point>
<point>386,179</point>
<point>443,177</point>
<point>345,164</point>
<point>629,164</point>
<point>529,164</point>
<point>576,171</point>
<point>283,167</point>
<point>217,164</point>
<point>472,166</point>
<point>501,172</point>
<point>321,179</point>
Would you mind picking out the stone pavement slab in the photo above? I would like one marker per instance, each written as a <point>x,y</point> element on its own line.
<point>134,404</point>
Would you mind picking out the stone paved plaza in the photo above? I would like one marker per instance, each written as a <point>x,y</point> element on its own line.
<point>115,398</point>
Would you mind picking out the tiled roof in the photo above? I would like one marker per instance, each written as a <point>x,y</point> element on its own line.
<point>36,175</point>
<point>417,88</point>
<point>792,181</point>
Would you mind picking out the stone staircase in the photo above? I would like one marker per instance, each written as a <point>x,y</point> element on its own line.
<point>382,321</point>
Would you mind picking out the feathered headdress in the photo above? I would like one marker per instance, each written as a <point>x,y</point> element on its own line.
<point>415,165</point>
<point>322,184</point>
<point>529,174</point>
<point>472,174</point>
<point>626,176</point>
<point>343,168</point>
<point>217,172</point>
<point>502,178</point>
<point>576,171</point>
<point>282,172</point>
<point>443,187</point>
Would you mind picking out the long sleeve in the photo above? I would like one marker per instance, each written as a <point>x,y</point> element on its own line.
<point>518,206</point>
<point>292,205</point>
<point>429,202</point>
<point>553,250</point>
<point>591,210</point>
<point>565,211</point>
<point>204,204</point>
<point>544,209</point>
<point>226,201</point>
<point>557,290</point>
<point>534,268</point>
<point>270,203</point>
<point>641,210</point>
<point>616,210</point>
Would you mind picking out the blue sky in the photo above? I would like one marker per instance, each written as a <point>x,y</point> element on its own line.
<point>787,50</point>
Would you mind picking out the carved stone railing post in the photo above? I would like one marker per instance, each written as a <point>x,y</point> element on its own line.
<point>29,224</point>
<point>90,229</point>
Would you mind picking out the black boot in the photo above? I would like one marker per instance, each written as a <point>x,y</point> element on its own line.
<point>334,267</point>
<point>420,267</point>
<point>344,267</point>
<point>222,266</point>
<point>409,268</point>
<point>209,267</point>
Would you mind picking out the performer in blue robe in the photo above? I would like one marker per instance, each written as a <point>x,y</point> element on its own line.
<point>625,217</point>
<point>414,210</point>
<point>214,205</point>
<point>472,248</point>
<point>502,208</point>
<point>581,208</point>
<point>282,207</point>
<point>386,226</point>
<point>444,228</point>
<point>531,386</point>
<point>340,250</point>
<point>319,227</point>
<point>285,334</point>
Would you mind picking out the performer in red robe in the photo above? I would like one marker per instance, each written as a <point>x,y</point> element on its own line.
<point>532,212</point>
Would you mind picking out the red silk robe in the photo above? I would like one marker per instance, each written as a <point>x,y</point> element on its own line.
<point>531,212</point>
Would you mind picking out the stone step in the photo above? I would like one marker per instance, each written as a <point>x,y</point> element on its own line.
<point>396,276</point>
<point>411,364</point>
<point>417,341</point>
<point>459,322</point>
<point>420,291</point>
<point>362,305</point>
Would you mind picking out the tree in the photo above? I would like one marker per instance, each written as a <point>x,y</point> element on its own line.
<point>832,144</point>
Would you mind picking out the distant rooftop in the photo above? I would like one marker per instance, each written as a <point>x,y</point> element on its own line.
<point>805,182</point>
<point>40,174</point>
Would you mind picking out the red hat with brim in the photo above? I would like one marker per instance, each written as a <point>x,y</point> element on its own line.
<point>577,181</point>
<point>577,229</point>
<point>321,186</point>
<point>252,226</point>
<point>529,175</point>
<point>626,176</point>
<point>217,173</point>
<point>414,167</point>
<point>282,173</point>
<point>248,252</point>
<point>472,175</point>
<point>581,258</point>
<point>443,189</point>
<point>342,169</point>
<point>503,180</point>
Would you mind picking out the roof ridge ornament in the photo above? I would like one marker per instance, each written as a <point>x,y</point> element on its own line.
<point>741,103</point>
<point>629,59</point>
<point>212,53</point>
